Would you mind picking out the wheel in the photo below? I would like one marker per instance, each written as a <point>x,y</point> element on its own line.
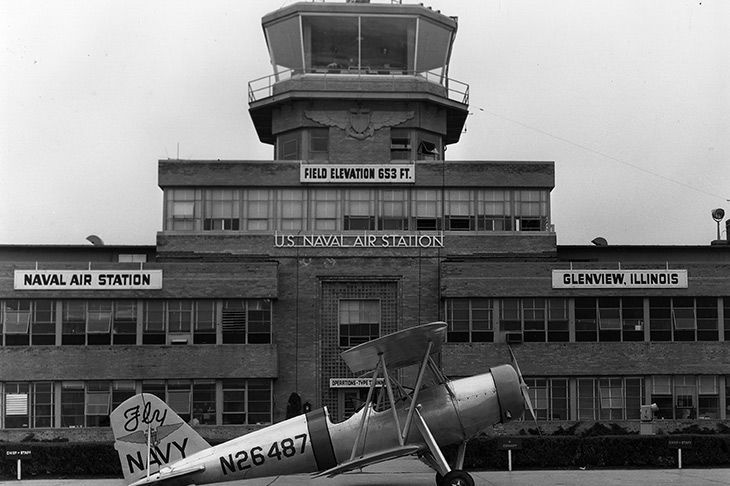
<point>457,477</point>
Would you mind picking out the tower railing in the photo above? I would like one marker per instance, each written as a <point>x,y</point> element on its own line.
<point>263,87</point>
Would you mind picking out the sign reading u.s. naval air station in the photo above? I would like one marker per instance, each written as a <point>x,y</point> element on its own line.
<point>88,280</point>
<point>356,173</point>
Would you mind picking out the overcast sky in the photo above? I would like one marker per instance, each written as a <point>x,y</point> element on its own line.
<point>629,98</point>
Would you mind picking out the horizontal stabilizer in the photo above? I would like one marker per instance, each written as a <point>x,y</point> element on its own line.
<point>168,473</point>
<point>370,459</point>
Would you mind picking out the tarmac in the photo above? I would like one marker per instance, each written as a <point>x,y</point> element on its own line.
<point>411,472</point>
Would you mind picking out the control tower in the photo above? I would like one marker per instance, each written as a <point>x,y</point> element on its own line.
<point>358,82</point>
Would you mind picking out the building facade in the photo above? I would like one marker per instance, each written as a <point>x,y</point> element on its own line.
<point>265,271</point>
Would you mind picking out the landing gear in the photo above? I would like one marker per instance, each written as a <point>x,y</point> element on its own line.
<point>456,477</point>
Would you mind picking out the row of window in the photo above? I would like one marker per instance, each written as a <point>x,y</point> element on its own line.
<point>82,322</point>
<point>320,209</point>
<point>620,398</point>
<point>596,319</point>
<point>89,403</point>
<point>313,144</point>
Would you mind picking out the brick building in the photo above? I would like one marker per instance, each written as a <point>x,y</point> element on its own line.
<point>264,271</point>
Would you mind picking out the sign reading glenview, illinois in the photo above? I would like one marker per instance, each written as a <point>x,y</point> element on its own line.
<point>619,279</point>
<point>88,280</point>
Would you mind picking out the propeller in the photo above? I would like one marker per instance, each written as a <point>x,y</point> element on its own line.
<point>524,388</point>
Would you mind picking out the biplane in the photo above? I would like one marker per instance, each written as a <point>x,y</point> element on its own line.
<point>156,446</point>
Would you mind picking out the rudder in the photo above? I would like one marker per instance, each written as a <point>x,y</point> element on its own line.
<point>144,418</point>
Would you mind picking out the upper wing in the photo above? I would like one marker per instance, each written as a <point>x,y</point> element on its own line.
<point>371,459</point>
<point>402,348</point>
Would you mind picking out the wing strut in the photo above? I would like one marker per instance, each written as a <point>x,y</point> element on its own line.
<point>392,400</point>
<point>414,398</point>
<point>433,448</point>
<point>366,412</point>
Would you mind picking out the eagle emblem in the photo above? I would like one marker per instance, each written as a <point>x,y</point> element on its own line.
<point>359,123</point>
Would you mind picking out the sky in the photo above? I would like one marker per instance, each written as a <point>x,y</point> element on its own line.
<point>629,98</point>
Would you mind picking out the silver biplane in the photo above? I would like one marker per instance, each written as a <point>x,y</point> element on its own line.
<point>156,446</point>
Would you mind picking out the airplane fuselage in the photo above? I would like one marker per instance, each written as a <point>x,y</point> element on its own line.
<point>310,443</point>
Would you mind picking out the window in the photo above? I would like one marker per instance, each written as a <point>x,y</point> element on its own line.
<point>183,209</point>
<point>459,210</point>
<point>707,319</point>
<point>494,210</point>
<point>258,316</point>
<point>234,402</point>
<point>683,315</point>
<point>246,321</point>
<point>359,211</point>
<point>324,209</point>
<point>469,320</point>
<point>533,312</point>
<point>319,143</point>
<point>531,210</point>
<point>72,404</point>
<point>632,318</point>
<point>660,318</point>
<point>429,148</point>
<point>359,321</point>
<point>726,318</point>
<point>292,209</point>
<point>17,405</point>
<point>685,390</point>
<point>586,319</point>
<point>661,394</point>
<point>549,397</point>
<point>43,325</point>
<point>259,401</point>
<point>99,321</point>
<point>204,322</point>
<point>16,316</point>
<point>609,398</point>
<point>73,324</point>
<point>426,210</point>
<point>609,319</point>
<point>125,322</point>
<point>156,388</point>
<point>393,212</point>
<point>121,391</point>
<point>43,413</point>
<point>288,146</point>
<point>247,401</point>
<point>400,144</point>
<point>179,316</point>
<point>178,398</point>
<point>204,402</point>
<point>221,209</point>
<point>132,258</point>
<point>98,401</point>
<point>257,209</point>
<point>510,317</point>
<point>557,325</point>
<point>154,322</point>
<point>708,398</point>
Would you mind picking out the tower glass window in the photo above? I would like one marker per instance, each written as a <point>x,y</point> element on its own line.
<point>221,209</point>
<point>393,213</point>
<point>400,144</point>
<point>531,210</point>
<point>319,143</point>
<point>183,209</point>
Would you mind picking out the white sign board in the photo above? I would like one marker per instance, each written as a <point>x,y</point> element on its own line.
<point>367,173</point>
<point>620,279</point>
<point>353,382</point>
<point>88,280</point>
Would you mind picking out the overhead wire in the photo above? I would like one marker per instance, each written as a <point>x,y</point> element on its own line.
<point>602,154</point>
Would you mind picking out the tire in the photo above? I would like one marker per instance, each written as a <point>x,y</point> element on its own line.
<point>457,477</point>
<point>439,479</point>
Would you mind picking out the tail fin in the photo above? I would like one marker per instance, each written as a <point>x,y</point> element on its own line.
<point>145,419</point>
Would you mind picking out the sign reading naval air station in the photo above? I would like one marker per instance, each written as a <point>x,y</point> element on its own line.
<point>88,280</point>
<point>620,279</point>
<point>368,173</point>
